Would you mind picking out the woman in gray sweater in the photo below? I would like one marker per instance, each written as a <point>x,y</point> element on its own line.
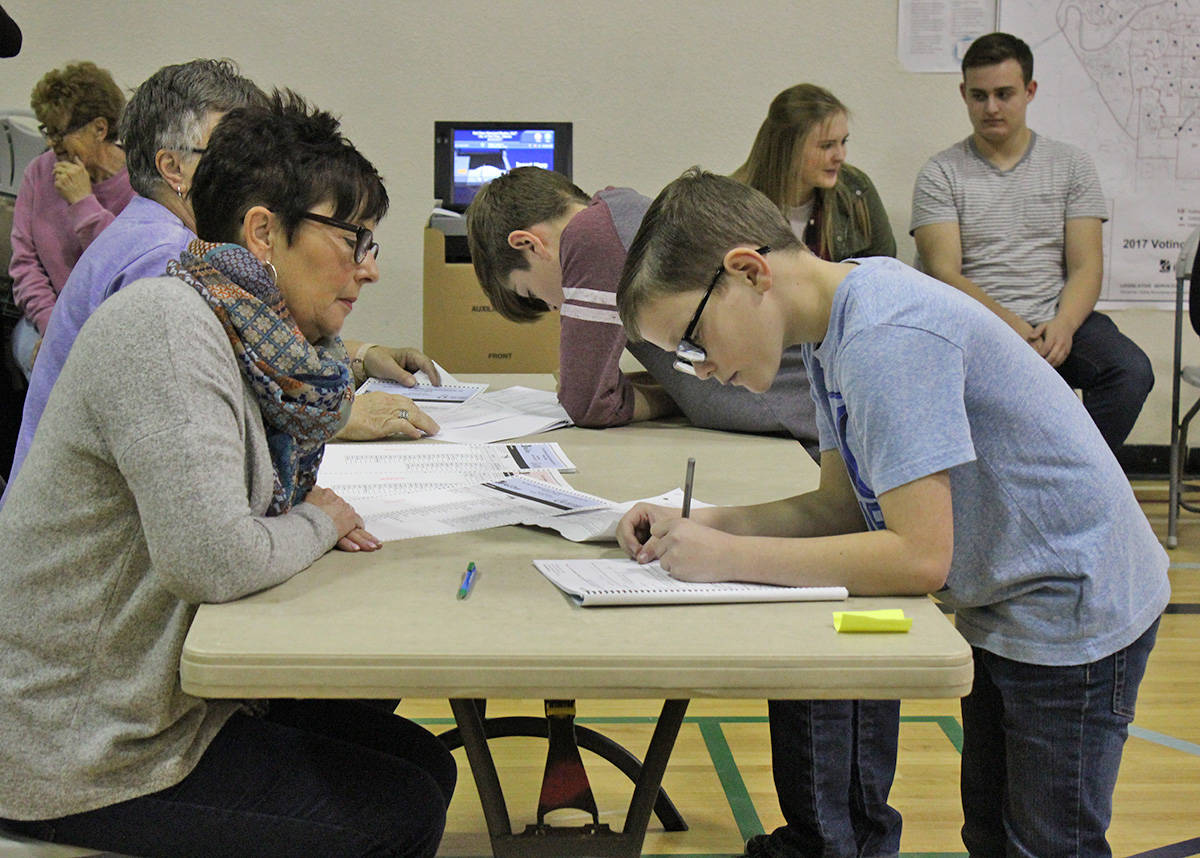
<point>175,465</point>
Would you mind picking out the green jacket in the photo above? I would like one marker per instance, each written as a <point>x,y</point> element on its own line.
<point>848,239</point>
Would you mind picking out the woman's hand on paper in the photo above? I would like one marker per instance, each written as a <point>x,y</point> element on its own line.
<point>399,364</point>
<point>378,415</point>
<point>352,536</point>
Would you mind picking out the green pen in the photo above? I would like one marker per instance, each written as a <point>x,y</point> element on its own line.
<point>468,581</point>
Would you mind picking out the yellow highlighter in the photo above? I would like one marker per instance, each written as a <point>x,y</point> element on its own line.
<point>886,620</point>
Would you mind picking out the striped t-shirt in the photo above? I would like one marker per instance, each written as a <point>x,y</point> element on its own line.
<point>1011,222</point>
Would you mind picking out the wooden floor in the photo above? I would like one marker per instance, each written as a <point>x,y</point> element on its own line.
<point>720,776</point>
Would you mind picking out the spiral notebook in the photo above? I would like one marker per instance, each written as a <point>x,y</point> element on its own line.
<point>596,583</point>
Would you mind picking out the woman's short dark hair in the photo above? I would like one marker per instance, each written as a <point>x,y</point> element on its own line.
<point>288,157</point>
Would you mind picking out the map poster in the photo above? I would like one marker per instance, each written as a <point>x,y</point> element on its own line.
<point>1145,235</point>
<point>1121,80</point>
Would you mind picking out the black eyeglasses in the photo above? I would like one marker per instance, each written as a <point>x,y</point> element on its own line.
<point>688,353</point>
<point>53,135</point>
<point>364,239</point>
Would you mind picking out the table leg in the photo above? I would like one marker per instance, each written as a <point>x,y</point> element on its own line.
<point>483,768</point>
<point>653,767</point>
<point>547,841</point>
<point>590,740</point>
<point>1176,464</point>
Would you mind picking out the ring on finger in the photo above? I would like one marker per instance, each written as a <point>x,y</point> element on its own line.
<point>402,413</point>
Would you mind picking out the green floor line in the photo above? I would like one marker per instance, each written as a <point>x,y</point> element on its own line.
<point>730,775</point>
<point>952,728</point>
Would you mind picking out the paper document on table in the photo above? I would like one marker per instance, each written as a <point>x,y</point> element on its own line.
<point>455,510</point>
<point>423,393</point>
<point>449,388</point>
<point>498,415</point>
<point>409,462</point>
<point>600,525</point>
<point>626,582</point>
<point>357,491</point>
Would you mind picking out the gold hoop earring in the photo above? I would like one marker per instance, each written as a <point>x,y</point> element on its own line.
<point>271,272</point>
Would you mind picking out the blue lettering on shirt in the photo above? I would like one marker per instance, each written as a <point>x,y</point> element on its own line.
<point>867,501</point>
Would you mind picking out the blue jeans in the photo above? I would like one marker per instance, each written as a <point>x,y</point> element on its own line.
<point>1113,373</point>
<point>312,777</point>
<point>25,337</point>
<point>833,762</point>
<point>1055,734</point>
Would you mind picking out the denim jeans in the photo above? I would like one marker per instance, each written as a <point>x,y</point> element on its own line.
<point>1113,373</point>
<point>833,762</point>
<point>312,777</point>
<point>1041,749</point>
<point>24,337</point>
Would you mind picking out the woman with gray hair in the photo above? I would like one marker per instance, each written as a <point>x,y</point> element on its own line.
<point>164,130</point>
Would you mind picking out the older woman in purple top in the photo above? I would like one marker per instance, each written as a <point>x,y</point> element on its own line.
<point>68,195</point>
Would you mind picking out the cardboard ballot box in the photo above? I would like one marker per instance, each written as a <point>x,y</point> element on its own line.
<point>462,331</point>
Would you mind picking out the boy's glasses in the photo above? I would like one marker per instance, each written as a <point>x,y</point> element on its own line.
<point>688,353</point>
<point>364,239</point>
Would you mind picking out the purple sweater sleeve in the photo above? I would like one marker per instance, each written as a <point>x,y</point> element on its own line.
<point>88,219</point>
<point>592,388</point>
<point>32,290</point>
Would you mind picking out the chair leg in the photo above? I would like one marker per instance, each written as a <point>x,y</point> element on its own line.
<point>1179,477</point>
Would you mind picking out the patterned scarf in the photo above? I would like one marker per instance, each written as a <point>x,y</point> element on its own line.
<point>304,390</point>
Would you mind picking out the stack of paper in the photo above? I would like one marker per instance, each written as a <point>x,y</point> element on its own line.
<point>467,415</point>
<point>499,415</point>
<point>509,500</point>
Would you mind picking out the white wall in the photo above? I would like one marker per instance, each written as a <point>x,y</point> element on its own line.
<point>652,86</point>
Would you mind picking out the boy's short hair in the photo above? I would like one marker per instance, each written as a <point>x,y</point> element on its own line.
<point>519,199</point>
<point>995,48</point>
<point>685,235</point>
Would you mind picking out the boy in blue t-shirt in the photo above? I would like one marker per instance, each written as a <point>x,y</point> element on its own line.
<point>953,460</point>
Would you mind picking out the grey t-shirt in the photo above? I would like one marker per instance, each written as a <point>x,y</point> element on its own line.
<point>1011,222</point>
<point>1054,562</point>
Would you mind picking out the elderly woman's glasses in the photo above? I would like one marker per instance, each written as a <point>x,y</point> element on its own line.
<point>364,239</point>
<point>688,353</point>
<point>54,135</point>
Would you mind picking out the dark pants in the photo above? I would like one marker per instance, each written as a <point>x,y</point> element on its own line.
<point>313,777</point>
<point>833,763</point>
<point>1113,373</point>
<point>1041,749</point>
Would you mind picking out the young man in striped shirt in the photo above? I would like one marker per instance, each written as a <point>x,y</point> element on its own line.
<point>1014,220</point>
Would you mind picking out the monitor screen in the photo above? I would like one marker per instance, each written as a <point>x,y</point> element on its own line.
<point>468,155</point>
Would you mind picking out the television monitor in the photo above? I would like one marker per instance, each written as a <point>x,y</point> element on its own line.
<point>467,155</point>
